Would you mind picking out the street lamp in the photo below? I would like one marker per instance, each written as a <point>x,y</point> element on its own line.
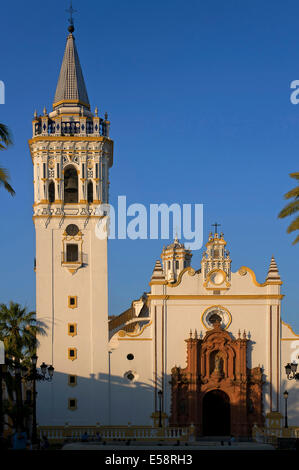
<point>291,370</point>
<point>33,376</point>
<point>160,395</point>
<point>285,396</point>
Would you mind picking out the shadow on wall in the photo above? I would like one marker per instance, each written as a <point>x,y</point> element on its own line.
<point>86,401</point>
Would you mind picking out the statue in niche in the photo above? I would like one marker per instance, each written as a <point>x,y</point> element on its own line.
<point>217,365</point>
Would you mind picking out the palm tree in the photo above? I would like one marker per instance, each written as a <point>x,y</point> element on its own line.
<point>292,208</point>
<point>5,141</point>
<point>18,330</point>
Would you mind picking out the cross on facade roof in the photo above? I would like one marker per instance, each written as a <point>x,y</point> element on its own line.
<point>216,226</point>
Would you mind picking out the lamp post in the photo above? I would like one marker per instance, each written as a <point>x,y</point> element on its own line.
<point>285,396</point>
<point>18,389</point>
<point>291,369</point>
<point>33,376</point>
<point>160,395</point>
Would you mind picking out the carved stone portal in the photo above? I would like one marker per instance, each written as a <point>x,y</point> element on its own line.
<point>216,391</point>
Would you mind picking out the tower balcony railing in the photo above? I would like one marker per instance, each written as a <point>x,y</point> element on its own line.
<point>72,128</point>
<point>82,259</point>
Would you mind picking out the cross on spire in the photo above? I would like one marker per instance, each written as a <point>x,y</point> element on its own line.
<point>216,226</point>
<point>71,20</point>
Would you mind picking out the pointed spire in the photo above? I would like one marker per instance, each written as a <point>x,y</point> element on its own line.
<point>158,271</point>
<point>71,87</point>
<point>273,274</point>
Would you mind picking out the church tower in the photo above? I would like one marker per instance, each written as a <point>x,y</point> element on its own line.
<point>71,153</point>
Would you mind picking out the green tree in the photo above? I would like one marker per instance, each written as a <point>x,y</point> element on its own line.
<point>19,330</point>
<point>292,208</point>
<point>5,141</point>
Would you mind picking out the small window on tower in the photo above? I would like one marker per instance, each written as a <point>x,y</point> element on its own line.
<point>72,301</point>
<point>72,354</point>
<point>176,265</point>
<point>72,404</point>
<point>72,329</point>
<point>72,380</point>
<point>168,264</point>
<point>72,252</point>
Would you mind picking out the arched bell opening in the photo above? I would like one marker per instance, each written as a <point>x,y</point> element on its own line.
<point>51,192</point>
<point>90,192</point>
<point>70,185</point>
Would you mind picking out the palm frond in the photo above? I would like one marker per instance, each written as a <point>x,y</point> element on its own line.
<point>293,193</point>
<point>293,226</point>
<point>289,209</point>
<point>5,136</point>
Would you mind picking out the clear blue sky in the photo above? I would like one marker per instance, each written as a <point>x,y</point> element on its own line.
<point>198,97</point>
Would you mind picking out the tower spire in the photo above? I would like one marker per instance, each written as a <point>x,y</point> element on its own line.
<point>71,89</point>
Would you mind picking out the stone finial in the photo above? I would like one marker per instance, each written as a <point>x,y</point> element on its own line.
<point>45,111</point>
<point>273,273</point>
<point>96,111</point>
<point>190,334</point>
<point>106,116</point>
<point>244,334</point>
<point>239,333</point>
<point>195,334</point>
<point>35,114</point>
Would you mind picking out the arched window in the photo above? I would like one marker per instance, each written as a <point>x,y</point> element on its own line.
<point>70,185</point>
<point>51,191</point>
<point>90,192</point>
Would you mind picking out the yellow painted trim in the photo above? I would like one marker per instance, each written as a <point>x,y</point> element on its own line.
<point>188,270</point>
<point>216,270</point>
<point>245,269</point>
<point>71,101</point>
<point>123,333</point>
<point>158,283</point>
<point>72,358</point>
<point>219,307</point>
<point>69,301</point>
<point>209,297</point>
<point>134,339</point>
<point>75,329</point>
<point>290,328</point>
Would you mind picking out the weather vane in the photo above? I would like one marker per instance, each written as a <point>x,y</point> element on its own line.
<point>216,226</point>
<point>71,11</point>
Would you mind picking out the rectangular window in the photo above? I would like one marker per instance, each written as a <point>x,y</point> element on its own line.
<point>57,169</point>
<point>44,170</point>
<point>97,170</point>
<point>72,354</point>
<point>72,252</point>
<point>177,265</point>
<point>72,329</point>
<point>72,301</point>
<point>83,170</point>
<point>72,403</point>
<point>168,264</point>
<point>72,380</point>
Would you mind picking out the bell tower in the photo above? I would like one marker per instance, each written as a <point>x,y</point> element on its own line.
<point>71,153</point>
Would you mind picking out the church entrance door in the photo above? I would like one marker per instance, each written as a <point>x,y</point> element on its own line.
<point>216,414</point>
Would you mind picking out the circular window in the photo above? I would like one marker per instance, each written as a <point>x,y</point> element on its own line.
<point>130,376</point>
<point>217,277</point>
<point>130,357</point>
<point>215,314</point>
<point>72,230</point>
